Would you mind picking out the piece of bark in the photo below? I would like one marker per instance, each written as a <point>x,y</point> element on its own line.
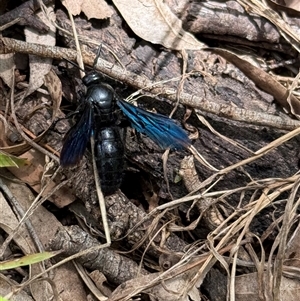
<point>126,216</point>
<point>115,267</point>
<point>25,16</point>
<point>228,21</point>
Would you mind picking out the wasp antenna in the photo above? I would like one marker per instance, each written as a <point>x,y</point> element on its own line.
<point>97,56</point>
<point>74,64</point>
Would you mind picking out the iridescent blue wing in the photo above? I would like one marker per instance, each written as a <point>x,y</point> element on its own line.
<point>77,138</point>
<point>161,129</point>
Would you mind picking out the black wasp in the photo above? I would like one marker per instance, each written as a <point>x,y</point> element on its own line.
<point>99,117</point>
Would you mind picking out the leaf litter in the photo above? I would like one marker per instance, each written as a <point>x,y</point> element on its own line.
<point>230,235</point>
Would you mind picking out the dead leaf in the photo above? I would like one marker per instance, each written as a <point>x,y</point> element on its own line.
<point>73,6</point>
<point>173,288</point>
<point>45,225</point>
<point>293,250</point>
<point>262,80</point>
<point>291,7</point>
<point>166,290</point>
<point>32,176</point>
<point>97,9</point>
<point>39,66</point>
<point>246,288</point>
<point>6,68</point>
<point>55,90</point>
<point>7,286</point>
<point>153,21</point>
<point>294,4</point>
<point>99,281</point>
<point>9,222</point>
<point>53,83</point>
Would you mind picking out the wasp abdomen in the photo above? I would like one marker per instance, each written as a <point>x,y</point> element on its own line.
<point>109,158</point>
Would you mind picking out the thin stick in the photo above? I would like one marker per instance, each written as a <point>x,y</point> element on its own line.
<point>95,170</point>
<point>100,195</point>
<point>79,54</point>
<point>203,103</point>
